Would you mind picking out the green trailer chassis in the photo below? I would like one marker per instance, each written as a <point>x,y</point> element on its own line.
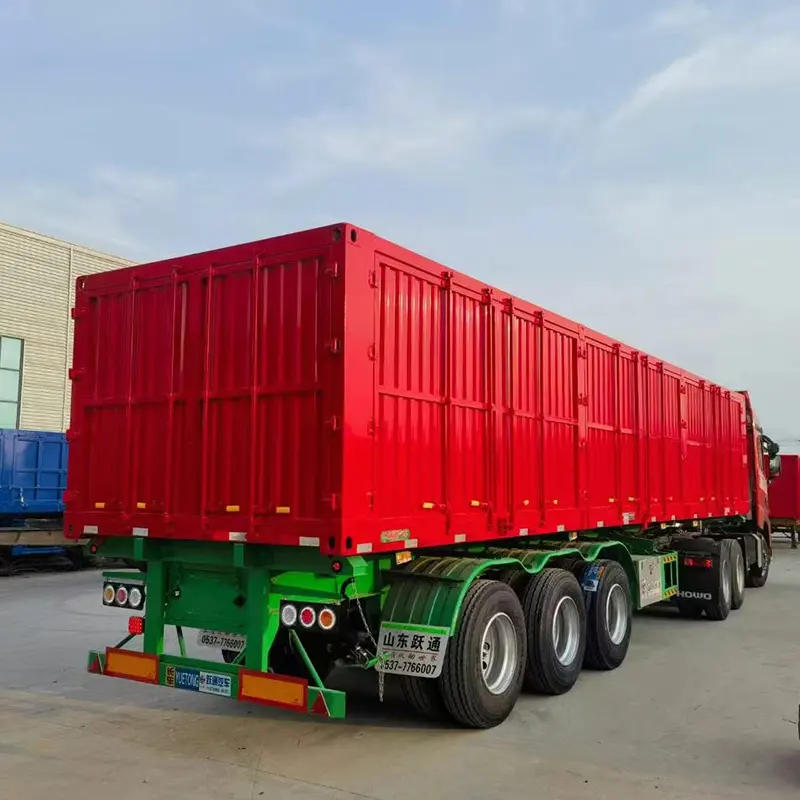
<point>239,589</point>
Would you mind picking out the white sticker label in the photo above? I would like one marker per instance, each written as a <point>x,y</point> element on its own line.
<point>402,650</point>
<point>215,683</point>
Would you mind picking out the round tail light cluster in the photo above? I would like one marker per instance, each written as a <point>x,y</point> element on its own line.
<point>121,595</point>
<point>308,617</point>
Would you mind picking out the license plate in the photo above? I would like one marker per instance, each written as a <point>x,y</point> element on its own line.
<point>408,651</point>
<point>222,641</point>
<point>198,680</point>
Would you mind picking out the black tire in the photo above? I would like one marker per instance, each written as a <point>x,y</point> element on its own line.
<point>544,672</point>
<point>78,557</point>
<point>424,697</point>
<point>283,660</point>
<point>719,609</point>
<point>608,609</point>
<point>516,578</point>
<point>757,576</point>
<point>466,695</point>
<point>738,573</point>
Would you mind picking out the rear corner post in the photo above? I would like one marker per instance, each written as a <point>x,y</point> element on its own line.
<point>263,620</point>
<point>156,593</point>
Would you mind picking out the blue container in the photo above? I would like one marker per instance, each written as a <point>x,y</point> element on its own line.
<point>33,472</point>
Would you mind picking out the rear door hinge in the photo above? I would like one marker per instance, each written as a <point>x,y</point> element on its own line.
<point>373,279</point>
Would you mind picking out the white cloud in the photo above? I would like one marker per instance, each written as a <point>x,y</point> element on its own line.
<point>728,62</point>
<point>399,119</point>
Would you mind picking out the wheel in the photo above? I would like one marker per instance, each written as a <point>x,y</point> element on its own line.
<point>485,661</point>
<point>78,557</point>
<point>516,578</point>
<point>757,577</point>
<point>283,660</point>
<point>555,617</point>
<point>738,572</point>
<point>424,696</point>
<point>719,609</point>
<point>609,617</point>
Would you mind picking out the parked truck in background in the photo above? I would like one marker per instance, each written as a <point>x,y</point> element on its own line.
<point>323,449</point>
<point>784,499</point>
<point>33,476</point>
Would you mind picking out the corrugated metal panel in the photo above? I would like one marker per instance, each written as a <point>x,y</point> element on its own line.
<point>33,472</point>
<point>208,392</point>
<point>38,275</point>
<point>784,491</point>
<point>329,388</point>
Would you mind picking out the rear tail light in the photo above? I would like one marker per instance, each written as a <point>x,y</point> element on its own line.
<point>119,595</point>
<point>289,616</point>
<point>326,619</point>
<point>702,563</point>
<point>308,617</point>
<point>135,597</point>
<point>136,626</point>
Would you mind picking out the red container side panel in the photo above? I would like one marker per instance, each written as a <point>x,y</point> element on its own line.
<point>205,393</point>
<point>332,389</point>
<point>493,418</point>
<point>784,492</point>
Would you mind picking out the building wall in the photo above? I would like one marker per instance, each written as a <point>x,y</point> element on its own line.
<point>37,291</point>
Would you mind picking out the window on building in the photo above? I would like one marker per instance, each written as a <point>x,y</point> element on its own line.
<point>10,381</point>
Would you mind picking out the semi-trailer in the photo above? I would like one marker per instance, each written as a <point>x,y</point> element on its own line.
<point>784,499</point>
<point>324,450</point>
<point>33,468</point>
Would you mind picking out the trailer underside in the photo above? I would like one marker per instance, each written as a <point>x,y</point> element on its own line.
<point>283,618</point>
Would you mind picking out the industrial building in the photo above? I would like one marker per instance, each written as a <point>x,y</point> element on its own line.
<point>37,289</point>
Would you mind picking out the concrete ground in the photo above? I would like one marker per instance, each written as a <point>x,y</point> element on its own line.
<point>698,710</point>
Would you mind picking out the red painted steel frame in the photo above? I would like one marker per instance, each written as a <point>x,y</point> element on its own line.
<point>784,491</point>
<point>329,388</point>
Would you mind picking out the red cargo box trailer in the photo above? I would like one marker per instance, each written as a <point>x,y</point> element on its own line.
<point>341,392</point>
<point>784,498</point>
<point>324,449</point>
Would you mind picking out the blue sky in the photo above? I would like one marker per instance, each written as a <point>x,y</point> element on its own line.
<point>631,164</point>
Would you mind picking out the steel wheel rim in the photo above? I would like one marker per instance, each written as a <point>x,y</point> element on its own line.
<point>499,653</point>
<point>566,631</point>
<point>739,574</point>
<point>616,614</point>
<point>726,583</point>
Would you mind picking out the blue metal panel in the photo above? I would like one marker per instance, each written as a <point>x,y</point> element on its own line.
<point>33,472</point>
<point>21,550</point>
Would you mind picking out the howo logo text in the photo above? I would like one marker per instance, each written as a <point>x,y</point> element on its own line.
<point>695,595</point>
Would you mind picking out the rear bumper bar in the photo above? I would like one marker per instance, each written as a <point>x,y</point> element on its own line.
<point>221,680</point>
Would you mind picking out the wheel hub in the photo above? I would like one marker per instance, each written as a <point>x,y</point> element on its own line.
<point>499,653</point>
<point>726,584</point>
<point>617,616</point>
<point>566,631</point>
